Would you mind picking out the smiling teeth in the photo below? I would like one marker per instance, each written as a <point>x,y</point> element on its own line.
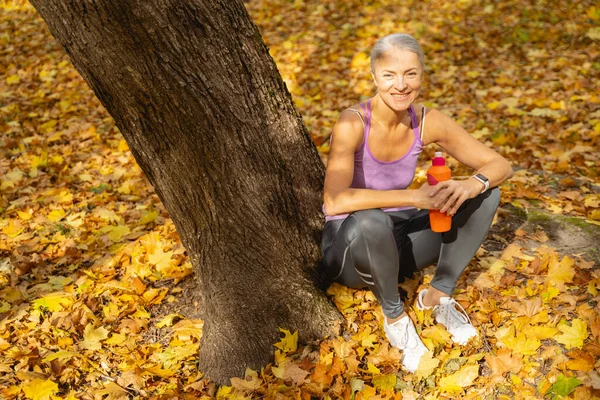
<point>400,96</point>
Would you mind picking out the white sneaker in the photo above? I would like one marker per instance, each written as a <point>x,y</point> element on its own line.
<point>457,322</point>
<point>403,335</point>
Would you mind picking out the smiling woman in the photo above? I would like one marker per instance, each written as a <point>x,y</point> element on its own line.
<point>376,229</point>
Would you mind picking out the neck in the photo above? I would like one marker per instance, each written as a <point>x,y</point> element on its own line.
<point>386,116</point>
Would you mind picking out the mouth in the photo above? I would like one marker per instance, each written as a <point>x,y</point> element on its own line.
<point>398,96</point>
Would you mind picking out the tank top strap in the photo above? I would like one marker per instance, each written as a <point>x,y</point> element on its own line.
<point>414,121</point>
<point>368,128</point>
<point>367,112</point>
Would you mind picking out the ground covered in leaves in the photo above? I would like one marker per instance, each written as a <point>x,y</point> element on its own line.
<point>87,250</point>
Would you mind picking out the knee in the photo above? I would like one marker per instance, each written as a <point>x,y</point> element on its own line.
<point>372,222</point>
<point>493,199</point>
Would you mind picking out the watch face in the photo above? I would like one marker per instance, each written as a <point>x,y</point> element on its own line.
<point>482,177</point>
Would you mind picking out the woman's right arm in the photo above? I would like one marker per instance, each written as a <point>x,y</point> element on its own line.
<point>339,198</point>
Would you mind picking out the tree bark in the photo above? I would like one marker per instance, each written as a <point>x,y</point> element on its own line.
<point>209,120</point>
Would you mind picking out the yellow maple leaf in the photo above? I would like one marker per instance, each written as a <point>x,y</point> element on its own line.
<point>493,105</point>
<point>593,286</point>
<point>12,177</point>
<point>149,216</point>
<point>48,126</point>
<point>519,343</point>
<point>540,318</point>
<point>289,342</point>
<point>594,215</point>
<point>561,273</point>
<point>85,177</point>
<point>25,216</point>
<point>56,215</point>
<point>251,381</point>
<point>385,355</point>
<point>290,370</point>
<point>512,250</point>
<point>550,293</point>
<point>523,344</point>
<point>122,146</point>
<point>342,297</point>
<point>368,392</point>
<point>371,369</point>
<point>40,161</point>
<point>172,356</point>
<point>573,335</point>
<point>168,320</point>
<point>107,215</point>
<point>581,361</point>
<point>541,332</point>
<point>116,233</point>
<point>463,378</point>
<point>63,197</point>
<point>54,301</point>
<point>161,259</point>
<point>504,362</point>
<point>92,337</point>
<point>188,328</point>
<point>158,371</point>
<point>141,313</point>
<point>60,355</point>
<point>437,333</point>
<point>360,61</point>
<point>427,364</point>
<point>343,348</point>
<point>116,339</point>
<point>40,389</point>
<point>384,382</point>
<point>113,391</point>
<point>592,200</point>
<point>13,228</point>
<point>365,337</point>
<point>13,80</point>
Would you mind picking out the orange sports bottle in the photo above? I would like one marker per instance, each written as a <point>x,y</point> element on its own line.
<point>438,172</point>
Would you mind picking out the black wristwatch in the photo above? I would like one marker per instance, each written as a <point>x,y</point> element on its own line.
<point>484,180</point>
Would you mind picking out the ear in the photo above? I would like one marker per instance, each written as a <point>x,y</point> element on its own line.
<point>373,76</point>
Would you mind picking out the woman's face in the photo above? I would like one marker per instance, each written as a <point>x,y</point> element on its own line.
<point>398,76</point>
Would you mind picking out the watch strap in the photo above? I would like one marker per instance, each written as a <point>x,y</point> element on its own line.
<point>481,178</point>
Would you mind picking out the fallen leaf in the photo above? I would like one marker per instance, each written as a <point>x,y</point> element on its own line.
<point>40,389</point>
<point>92,337</point>
<point>572,335</point>
<point>461,379</point>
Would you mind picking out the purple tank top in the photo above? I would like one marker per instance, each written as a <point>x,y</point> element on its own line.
<point>371,173</point>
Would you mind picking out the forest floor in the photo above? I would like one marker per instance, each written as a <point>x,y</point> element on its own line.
<point>89,259</point>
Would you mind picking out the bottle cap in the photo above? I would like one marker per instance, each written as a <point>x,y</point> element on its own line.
<point>438,160</point>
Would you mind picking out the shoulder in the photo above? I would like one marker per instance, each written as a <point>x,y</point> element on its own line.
<point>349,128</point>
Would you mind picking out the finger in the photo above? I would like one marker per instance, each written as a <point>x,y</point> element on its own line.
<point>438,187</point>
<point>451,201</point>
<point>442,198</point>
<point>443,193</point>
<point>459,203</point>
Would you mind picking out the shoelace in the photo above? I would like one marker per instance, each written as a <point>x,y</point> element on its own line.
<point>406,341</point>
<point>461,316</point>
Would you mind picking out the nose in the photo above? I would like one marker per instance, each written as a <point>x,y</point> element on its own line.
<point>400,83</point>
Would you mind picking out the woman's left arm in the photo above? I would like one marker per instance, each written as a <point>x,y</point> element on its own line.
<point>446,133</point>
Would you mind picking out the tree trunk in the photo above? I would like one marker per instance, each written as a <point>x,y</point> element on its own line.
<point>209,120</point>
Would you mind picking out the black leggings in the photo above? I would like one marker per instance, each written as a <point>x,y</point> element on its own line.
<point>372,248</point>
